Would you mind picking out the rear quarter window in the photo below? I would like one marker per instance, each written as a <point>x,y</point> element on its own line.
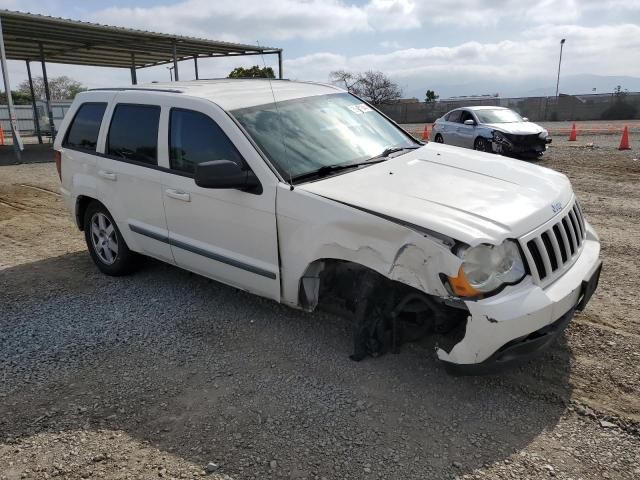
<point>85,126</point>
<point>133,133</point>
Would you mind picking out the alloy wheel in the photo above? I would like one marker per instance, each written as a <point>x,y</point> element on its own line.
<point>104,238</point>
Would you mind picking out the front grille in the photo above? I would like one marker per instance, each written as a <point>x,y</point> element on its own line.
<point>524,141</point>
<point>554,248</point>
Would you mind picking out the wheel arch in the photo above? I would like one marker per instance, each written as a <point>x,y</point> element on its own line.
<point>82,203</point>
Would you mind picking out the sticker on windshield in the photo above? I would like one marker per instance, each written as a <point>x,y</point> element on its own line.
<point>360,108</point>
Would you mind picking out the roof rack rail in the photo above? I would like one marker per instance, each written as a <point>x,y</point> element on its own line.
<point>242,78</point>
<point>122,89</point>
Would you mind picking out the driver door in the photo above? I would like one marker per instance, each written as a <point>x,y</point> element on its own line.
<point>466,133</point>
<point>225,234</point>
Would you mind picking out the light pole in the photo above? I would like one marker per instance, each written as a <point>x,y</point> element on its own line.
<point>559,63</point>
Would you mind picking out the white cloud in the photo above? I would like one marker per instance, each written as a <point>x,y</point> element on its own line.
<point>528,34</point>
<point>251,20</point>
<point>392,14</point>
<point>244,19</point>
<point>596,50</point>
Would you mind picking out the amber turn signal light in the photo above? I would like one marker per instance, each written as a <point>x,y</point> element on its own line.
<point>461,286</point>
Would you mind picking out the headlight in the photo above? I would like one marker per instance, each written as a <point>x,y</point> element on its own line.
<point>543,134</point>
<point>486,268</point>
<point>499,137</point>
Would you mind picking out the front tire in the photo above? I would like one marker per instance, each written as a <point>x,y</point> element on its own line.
<point>106,245</point>
<point>482,145</point>
<point>438,138</point>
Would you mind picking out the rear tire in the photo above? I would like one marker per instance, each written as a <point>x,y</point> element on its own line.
<point>438,138</point>
<point>482,145</point>
<point>106,245</point>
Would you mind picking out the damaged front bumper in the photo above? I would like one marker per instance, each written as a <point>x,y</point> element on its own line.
<point>506,143</point>
<point>523,319</point>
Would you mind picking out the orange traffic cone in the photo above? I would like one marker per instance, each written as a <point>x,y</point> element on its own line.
<point>624,141</point>
<point>1,136</point>
<point>425,133</point>
<point>573,135</point>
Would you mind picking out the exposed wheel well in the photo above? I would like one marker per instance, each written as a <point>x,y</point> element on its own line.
<point>331,277</point>
<point>355,291</point>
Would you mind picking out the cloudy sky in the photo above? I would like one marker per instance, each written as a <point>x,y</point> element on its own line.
<point>457,47</point>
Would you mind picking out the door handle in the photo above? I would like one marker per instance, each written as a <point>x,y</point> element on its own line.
<point>178,195</point>
<point>108,175</point>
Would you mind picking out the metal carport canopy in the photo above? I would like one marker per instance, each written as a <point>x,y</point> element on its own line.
<point>84,43</point>
<point>31,37</point>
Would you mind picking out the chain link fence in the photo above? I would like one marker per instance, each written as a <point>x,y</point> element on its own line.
<point>538,109</point>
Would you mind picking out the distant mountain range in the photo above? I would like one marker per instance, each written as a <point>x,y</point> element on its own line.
<point>534,87</point>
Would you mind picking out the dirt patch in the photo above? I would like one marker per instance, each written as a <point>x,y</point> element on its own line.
<point>160,373</point>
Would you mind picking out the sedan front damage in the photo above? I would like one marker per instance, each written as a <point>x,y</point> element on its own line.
<point>519,144</point>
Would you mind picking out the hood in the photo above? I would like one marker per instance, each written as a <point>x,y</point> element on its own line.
<point>516,128</point>
<point>469,196</point>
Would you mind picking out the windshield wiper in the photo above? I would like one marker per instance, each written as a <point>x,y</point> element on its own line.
<point>388,151</point>
<point>329,169</point>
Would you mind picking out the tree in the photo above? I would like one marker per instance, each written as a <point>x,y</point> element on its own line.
<point>620,108</point>
<point>60,88</point>
<point>253,72</point>
<point>19,98</point>
<point>372,86</point>
<point>431,96</point>
<point>343,77</point>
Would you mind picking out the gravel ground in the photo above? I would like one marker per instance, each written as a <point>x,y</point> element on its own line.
<point>167,374</point>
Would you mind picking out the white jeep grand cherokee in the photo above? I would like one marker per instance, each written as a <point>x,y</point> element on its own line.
<point>307,195</point>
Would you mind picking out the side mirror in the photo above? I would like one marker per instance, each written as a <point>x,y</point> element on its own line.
<point>469,122</point>
<point>226,174</point>
<point>525,119</point>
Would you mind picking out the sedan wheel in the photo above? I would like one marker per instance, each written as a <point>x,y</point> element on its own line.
<point>482,145</point>
<point>439,138</point>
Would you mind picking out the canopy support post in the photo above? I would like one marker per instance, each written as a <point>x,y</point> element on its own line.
<point>195,65</point>
<point>134,77</point>
<point>47,94</point>
<point>175,63</point>
<point>36,120</point>
<point>17,142</point>
<point>280,64</point>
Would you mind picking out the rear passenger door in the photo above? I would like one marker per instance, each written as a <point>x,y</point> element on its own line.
<point>129,176</point>
<point>451,133</point>
<point>225,234</point>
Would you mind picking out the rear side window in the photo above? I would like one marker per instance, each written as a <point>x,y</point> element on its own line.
<point>133,134</point>
<point>85,126</point>
<point>195,138</point>
<point>454,116</point>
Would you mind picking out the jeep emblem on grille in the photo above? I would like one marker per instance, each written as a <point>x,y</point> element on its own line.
<point>556,207</point>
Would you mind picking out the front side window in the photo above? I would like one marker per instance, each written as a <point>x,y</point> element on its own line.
<point>85,126</point>
<point>133,134</point>
<point>195,138</point>
<point>466,115</point>
<point>302,135</point>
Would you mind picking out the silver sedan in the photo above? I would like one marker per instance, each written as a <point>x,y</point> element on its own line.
<point>491,129</point>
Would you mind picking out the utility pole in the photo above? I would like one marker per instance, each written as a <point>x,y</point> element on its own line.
<point>559,63</point>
